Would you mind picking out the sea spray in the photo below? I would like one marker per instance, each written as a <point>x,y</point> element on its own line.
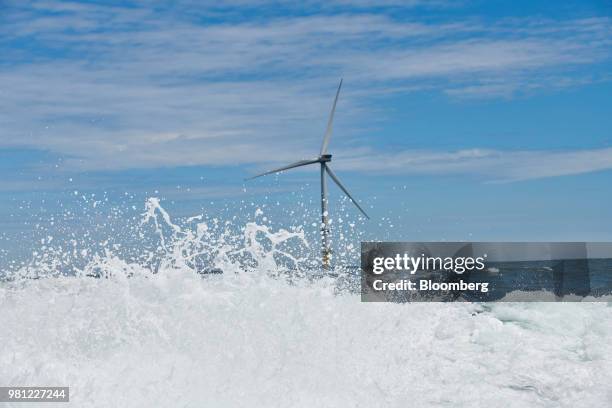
<point>153,332</point>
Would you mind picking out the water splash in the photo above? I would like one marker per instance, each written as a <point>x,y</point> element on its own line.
<point>155,333</point>
<point>197,244</point>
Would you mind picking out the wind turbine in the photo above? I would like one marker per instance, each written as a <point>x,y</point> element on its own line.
<point>324,159</point>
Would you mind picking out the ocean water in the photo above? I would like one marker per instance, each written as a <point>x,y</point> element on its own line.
<point>151,331</point>
<point>591,278</point>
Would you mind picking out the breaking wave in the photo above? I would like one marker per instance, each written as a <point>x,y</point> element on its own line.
<point>154,331</point>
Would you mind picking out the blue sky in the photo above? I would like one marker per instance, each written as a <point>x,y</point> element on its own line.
<point>457,120</point>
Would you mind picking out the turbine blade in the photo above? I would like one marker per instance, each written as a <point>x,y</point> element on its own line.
<point>335,178</point>
<point>330,122</point>
<point>287,167</point>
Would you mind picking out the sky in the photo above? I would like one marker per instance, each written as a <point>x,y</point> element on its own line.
<point>462,120</point>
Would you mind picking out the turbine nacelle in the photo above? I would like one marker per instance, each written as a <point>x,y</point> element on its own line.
<point>324,158</point>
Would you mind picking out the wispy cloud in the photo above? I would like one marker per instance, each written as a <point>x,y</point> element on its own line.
<point>493,165</point>
<point>122,87</point>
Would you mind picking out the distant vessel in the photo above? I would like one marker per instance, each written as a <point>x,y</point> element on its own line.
<point>324,159</point>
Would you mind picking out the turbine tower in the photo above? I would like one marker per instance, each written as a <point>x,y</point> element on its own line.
<point>324,159</point>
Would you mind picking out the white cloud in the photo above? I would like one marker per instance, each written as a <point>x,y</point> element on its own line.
<point>493,165</point>
<point>121,87</point>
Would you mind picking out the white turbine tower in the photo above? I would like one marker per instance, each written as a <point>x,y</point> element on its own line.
<point>324,159</point>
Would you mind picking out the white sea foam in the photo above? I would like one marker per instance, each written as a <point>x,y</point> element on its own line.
<point>250,337</point>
